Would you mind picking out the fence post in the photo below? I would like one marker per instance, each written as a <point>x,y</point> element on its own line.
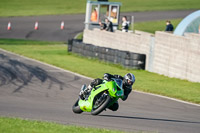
<point>132,23</point>
<point>70,43</point>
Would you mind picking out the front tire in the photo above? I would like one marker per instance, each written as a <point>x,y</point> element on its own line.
<point>76,109</point>
<point>103,106</point>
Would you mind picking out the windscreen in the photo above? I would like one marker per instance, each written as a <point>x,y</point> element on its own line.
<point>119,83</point>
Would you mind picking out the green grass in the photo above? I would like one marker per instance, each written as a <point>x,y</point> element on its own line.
<point>79,36</point>
<point>26,42</point>
<point>152,26</point>
<point>53,7</point>
<point>155,5</point>
<point>145,81</point>
<point>16,125</point>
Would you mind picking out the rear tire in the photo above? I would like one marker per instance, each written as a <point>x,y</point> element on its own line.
<point>76,109</point>
<point>102,107</point>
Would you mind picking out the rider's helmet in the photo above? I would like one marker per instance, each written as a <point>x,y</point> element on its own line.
<point>129,79</point>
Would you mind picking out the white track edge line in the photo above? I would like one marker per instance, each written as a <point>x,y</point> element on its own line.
<point>165,97</point>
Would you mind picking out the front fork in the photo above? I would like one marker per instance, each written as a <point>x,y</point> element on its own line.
<point>112,102</point>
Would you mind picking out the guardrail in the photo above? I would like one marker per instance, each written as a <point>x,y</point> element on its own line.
<point>124,58</point>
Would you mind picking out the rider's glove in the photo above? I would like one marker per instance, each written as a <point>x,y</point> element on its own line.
<point>118,76</point>
<point>106,76</point>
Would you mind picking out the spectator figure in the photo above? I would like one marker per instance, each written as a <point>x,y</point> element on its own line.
<point>125,24</point>
<point>102,26</point>
<point>113,14</point>
<point>109,25</point>
<point>94,15</point>
<point>169,26</point>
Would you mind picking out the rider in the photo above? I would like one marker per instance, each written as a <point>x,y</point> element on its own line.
<point>128,81</point>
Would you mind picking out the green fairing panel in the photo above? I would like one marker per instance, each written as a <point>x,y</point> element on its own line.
<point>86,105</point>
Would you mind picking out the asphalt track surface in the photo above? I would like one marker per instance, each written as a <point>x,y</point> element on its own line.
<point>32,90</point>
<point>49,26</point>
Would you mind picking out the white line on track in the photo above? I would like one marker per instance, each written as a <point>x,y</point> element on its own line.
<point>60,69</point>
<point>169,98</point>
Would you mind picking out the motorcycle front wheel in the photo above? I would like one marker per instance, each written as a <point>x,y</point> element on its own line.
<point>76,109</point>
<point>100,103</point>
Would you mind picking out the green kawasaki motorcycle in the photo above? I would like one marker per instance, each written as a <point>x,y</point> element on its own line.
<point>100,97</point>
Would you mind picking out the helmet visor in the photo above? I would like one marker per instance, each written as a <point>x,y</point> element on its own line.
<point>129,82</point>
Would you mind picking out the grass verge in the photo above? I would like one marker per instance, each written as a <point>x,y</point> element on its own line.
<point>16,125</point>
<point>145,81</point>
<point>50,7</point>
<point>153,26</point>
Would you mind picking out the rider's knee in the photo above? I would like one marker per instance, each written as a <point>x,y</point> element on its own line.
<point>114,107</point>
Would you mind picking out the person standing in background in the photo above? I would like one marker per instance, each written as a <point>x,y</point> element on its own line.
<point>94,15</point>
<point>169,26</point>
<point>102,25</point>
<point>125,24</point>
<point>109,25</point>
